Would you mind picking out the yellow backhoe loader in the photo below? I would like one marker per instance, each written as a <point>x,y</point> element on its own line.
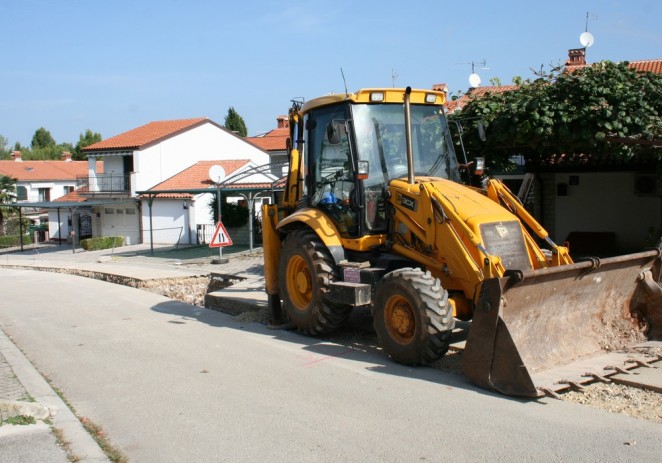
<point>373,213</point>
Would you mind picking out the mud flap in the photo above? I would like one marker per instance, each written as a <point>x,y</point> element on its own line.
<point>529,322</point>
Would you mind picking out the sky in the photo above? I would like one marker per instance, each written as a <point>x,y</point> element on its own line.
<point>113,65</point>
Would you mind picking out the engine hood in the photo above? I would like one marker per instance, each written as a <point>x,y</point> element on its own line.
<point>471,204</point>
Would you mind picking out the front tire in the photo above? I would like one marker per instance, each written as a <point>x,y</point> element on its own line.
<point>305,271</point>
<point>413,317</point>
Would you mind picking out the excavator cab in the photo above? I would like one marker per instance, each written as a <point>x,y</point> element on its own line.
<point>352,152</point>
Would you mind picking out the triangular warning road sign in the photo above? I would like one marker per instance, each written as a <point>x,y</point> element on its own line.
<point>220,238</point>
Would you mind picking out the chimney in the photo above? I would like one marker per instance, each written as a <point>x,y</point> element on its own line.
<point>16,156</point>
<point>576,57</point>
<point>66,156</point>
<point>283,122</point>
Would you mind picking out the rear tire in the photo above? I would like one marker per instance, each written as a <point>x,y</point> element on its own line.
<point>305,271</point>
<point>412,317</point>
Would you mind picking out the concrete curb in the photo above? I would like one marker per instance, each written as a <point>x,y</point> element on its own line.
<point>80,442</point>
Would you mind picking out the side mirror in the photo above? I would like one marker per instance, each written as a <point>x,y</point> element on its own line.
<point>481,131</point>
<point>333,130</point>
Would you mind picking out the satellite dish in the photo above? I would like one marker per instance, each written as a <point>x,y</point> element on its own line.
<point>474,80</point>
<point>216,174</point>
<point>586,39</point>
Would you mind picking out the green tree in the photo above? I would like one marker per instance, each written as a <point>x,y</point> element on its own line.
<point>48,153</point>
<point>602,109</point>
<point>86,139</point>
<point>42,138</point>
<point>4,150</point>
<point>234,122</point>
<point>7,196</point>
<point>44,147</point>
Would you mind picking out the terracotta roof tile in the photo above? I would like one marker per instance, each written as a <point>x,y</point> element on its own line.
<point>477,92</point>
<point>197,176</point>
<point>45,170</point>
<point>146,134</point>
<point>240,186</point>
<point>72,197</point>
<point>651,65</point>
<point>481,91</point>
<point>275,140</point>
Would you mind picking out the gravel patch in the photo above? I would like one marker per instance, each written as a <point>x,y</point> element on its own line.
<point>616,398</point>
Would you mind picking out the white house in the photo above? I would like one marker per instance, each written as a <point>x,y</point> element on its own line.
<point>43,182</point>
<point>146,156</point>
<point>182,206</point>
<point>274,143</point>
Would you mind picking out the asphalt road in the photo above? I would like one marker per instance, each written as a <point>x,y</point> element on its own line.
<point>170,382</point>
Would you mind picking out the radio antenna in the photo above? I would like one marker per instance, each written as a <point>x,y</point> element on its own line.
<point>343,81</point>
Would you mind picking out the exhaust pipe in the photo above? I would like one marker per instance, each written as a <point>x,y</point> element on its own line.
<point>410,151</point>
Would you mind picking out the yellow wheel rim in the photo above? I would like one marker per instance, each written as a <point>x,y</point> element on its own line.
<point>400,320</point>
<point>299,283</point>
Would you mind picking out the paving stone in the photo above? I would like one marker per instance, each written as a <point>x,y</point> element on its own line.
<point>10,387</point>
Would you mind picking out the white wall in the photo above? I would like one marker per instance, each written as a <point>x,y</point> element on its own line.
<point>121,220</point>
<point>170,214</point>
<point>201,210</point>
<point>54,227</point>
<point>606,202</point>
<point>170,222</point>
<point>56,187</point>
<point>204,143</point>
<point>113,165</point>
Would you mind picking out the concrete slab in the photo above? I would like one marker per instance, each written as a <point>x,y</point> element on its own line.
<point>236,300</point>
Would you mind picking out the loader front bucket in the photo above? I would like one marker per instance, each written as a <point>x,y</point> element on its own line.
<point>530,322</point>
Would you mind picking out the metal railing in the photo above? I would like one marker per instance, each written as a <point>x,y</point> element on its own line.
<point>104,183</point>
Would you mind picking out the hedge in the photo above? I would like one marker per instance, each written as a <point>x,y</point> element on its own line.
<point>13,240</point>
<point>102,242</point>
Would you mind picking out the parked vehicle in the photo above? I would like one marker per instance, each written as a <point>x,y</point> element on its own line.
<point>374,213</point>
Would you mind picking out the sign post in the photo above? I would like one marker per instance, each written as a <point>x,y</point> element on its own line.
<point>217,175</point>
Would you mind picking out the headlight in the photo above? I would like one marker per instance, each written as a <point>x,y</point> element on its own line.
<point>377,96</point>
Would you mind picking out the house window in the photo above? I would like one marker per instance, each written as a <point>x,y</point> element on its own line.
<point>108,210</point>
<point>21,193</point>
<point>44,195</point>
<point>120,211</point>
<point>131,212</point>
<point>67,189</point>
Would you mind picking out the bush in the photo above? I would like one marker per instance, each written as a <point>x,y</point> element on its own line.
<point>13,240</point>
<point>102,242</point>
<point>233,214</point>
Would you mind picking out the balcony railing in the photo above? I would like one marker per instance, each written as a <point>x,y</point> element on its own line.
<point>103,183</point>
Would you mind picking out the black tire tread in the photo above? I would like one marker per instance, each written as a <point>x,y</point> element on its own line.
<point>325,317</point>
<point>437,318</point>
